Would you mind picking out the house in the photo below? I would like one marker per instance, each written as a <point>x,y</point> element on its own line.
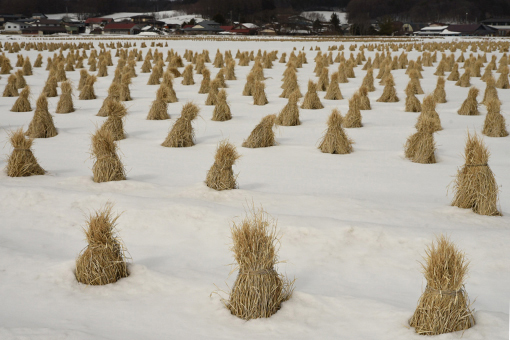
<point>204,27</point>
<point>11,17</point>
<point>122,28</point>
<point>43,30</point>
<point>295,24</point>
<point>147,20</point>
<point>502,25</point>
<point>431,30</point>
<point>39,16</point>
<point>16,26</point>
<point>241,29</point>
<point>47,22</point>
<point>410,28</point>
<point>472,30</point>
<point>267,31</point>
<point>94,23</point>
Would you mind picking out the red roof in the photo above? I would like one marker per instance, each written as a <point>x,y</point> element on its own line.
<point>226,28</point>
<point>119,26</point>
<point>188,26</point>
<point>98,20</point>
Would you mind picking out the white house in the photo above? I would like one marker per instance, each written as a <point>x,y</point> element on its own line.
<point>15,26</point>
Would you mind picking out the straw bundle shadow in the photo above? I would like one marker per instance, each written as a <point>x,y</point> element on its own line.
<point>87,93</point>
<point>41,125</point>
<point>389,94</point>
<point>439,92</point>
<point>311,100</point>
<point>10,88</point>
<point>259,290</point>
<point>212,98</point>
<point>116,112</point>
<point>289,115</point>
<point>444,306</point>
<point>22,104</point>
<point>335,140</point>
<point>420,147</point>
<point>206,81</point>
<point>188,76</point>
<point>470,105</point>
<point>22,162</point>
<point>364,100</point>
<point>107,166</point>
<point>262,135</point>
<point>103,261</point>
<point>333,92</point>
<point>182,134</point>
<point>259,95</point>
<point>429,119</point>
<point>494,125</point>
<point>474,186</point>
<point>353,117</point>
<point>221,111</point>
<point>221,176</point>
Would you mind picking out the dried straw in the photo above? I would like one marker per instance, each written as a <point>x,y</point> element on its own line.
<point>259,95</point>
<point>262,135</point>
<point>335,140</point>
<point>41,125</point>
<point>221,176</point>
<point>103,261</point>
<point>182,134</point>
<point>116,112</point>
<point>221,111</point>
<point>420,147</point>
<point>311,100</point>
<point>353,116</point>
<point>65,102</point>
<point>494,125</point>
<point>107,166</point>
<point>470,105</point>
<point>22,162</point>
<point>22,104</point>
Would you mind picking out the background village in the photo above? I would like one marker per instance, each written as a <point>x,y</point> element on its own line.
<point>179,23</point>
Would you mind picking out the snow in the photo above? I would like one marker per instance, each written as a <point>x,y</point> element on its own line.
<point>354,227</point>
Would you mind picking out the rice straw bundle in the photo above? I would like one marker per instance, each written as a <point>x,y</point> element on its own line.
<point>116,112</point>
<point>87,93</point>
<point>464,80</point>
<point>220,77</point>
<point>188,76</point>
<point>259,290</point>
<point>259,95</point>
<point>441,68</point>
<point>248,87</point>
<point>6,66</point>
<point>364,100</point>
<point>444,305</point>
<point>368,80</point>
<point>323,83</point>
<point>262,135</point>
<point>502,82</point>
<point>311,100</point>
<point>113,95</point>
<point>439,92</point>
<point>60,73</point>
<point>342,76</point>
<point>289,115</point>
<point>389,94</point>
<point>206,80</point>
<point>490,91</point>
<point>27,67</point>
<point>167,86</point>
<point>159,108</point>
<point>221,111</point>
<point>155,75</point>
<point>470,105</point>
<point>107,166</point>
<point>10,88</point>
<point>230,70</point>
<point>290,85</point>
<point>103,69</point>
<point>494,125</point>
<point>420,147</point>
<point>428,119</point>
<point>474,186</point>
<point>182,134</point>
<point>103,261</point>
<point>83,79</point>
<point>50,88</point>
<point>353,117</point>
<point>335,140</point>
<point>65,102</point>
<point>218,60</point>
<point>146,66</point>
<point>412,103</point>
<point>487,74</point>
<point>414,83</point>
<point>125,93</point>
<point>41,125</point>
<point>20,80</point>
<point>22,162</point>
<point>221,176</point>
<point>22,104</point>
<point>333,92</point>
<point>213,93</point>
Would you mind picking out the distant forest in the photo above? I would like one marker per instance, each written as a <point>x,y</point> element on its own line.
<point>265,10</point>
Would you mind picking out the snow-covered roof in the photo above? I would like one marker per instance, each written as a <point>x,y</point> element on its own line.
<point>434,28</point>
<point>249,25</point>
<point>447,32</point>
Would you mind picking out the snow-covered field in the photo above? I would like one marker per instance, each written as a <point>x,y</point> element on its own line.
<point>354,226</point>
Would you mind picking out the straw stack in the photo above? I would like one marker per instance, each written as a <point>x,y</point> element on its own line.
<point>22,162</point>
<point>335,140</point>
<point>221,176</point>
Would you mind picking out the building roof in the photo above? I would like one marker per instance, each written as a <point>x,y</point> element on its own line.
<point>208,22</point>
<point>97,20</point>
<point>501,20</point>
<point>50,29</point>
<point>469,28</point>
<point>48,21</point>
<point>120,26</point>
